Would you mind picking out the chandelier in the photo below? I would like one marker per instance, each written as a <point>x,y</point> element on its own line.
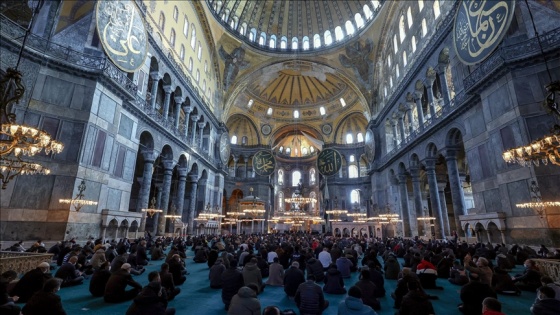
<point>172,213</point>
<point>152,210</point>
<point>425,217</point>
<point>78,202</point>
<point>536,201</point>
<point>12,167</point>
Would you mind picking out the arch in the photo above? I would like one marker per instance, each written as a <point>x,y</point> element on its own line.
<point>295,43</point>
<point>454,138</point>
<point>414,160</point>
<point>337,232</point>
<point>338,33</point>
<point>431,150</point>
<point>272,42</point>
<point>316,41</point>
<point>147,140</point>
<point>349,28</point>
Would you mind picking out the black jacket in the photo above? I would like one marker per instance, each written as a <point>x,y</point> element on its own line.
<point>334,284</point>
<point>151,301</point>
<point>472,295</point>
<point>416,303</point>
<point>98,282</point>
<point>30,283</point>
<point>293,277</point>
<point>314,267</point>
<point>44,303</point>
<point>310,298</point>
<point>232,281</point>
<point>118,282</point>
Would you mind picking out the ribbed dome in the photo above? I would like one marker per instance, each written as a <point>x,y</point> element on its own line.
<point>242,126</point>
<point>288,21</point>
<point>353,124</point>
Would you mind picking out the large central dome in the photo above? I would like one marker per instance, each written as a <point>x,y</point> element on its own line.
<point>294,25</point>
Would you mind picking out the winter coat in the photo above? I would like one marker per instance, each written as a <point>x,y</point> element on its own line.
<point>416,303</point>
<point>215,275</point>
<point>30,283</point>
<point>334,284</point>
<point>354,306</point>
<point>98,282</point>
<point>392,268</point>
<point>369,293</point>
<point>252,274</point>
<point>232,281</point>
<point>545,307</point>
<point>98,258</point>
<point>344,264</point>
<point>149,301</point>
<point>472,295</point>
<point>276,275</point>
<point>293,277</point>
<point>157,253</point>
<point>314,267</point>
<point>309,298</point>
<point>118,282</point>
<point>43,303</point>
<point>245,302</point>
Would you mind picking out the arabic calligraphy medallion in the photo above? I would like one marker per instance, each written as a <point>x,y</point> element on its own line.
<point>264,163</point>
<point>122,33</point>
<point>329,162</point>
<point>479,28</point>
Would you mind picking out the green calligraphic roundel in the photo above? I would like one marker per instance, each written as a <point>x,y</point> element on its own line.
<point>122,33</point>
<point>480,27</point>
<point>264,163</point>
<point>329,162</point>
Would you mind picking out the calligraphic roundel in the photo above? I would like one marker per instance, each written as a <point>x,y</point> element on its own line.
<point>122,33</point>
<point>479,28</point>
<point>264,163</point>
<point>329,162</point>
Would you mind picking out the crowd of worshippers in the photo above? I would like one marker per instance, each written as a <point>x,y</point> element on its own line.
<point>305,265</point>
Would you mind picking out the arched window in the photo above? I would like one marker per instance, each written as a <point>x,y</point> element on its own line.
<point>296,113</point>
<point>437,12</point>
<point>402,30</point>
<point>349,138</point>
<point>342,102</point>
<point>269,111</point>
<point>305,43</point>
<point>316,41</point>
<point>186,27</point>
<point>294,43</point>
<point>250,103</point>
<point>355,196</point>
<point>360,137</point>
<point>281,199</point>
<point>203,85</point>
<point>205,66</point>
<point>391,82</point>
<point>296,177</point>
<point>262,39</point>
<point>367,12</point>
<point>161,22</point>
<point>312,175</point>
<point>304,151</point>
<point>233,22</point>
<point>190,64</point>
<point>283,42</point>
<point>349,28</point>
<point>409,17</point>
<point>182,53</point>
<point>288,150</point>
<point>234,139</point>
<point>424,28</point>
<point>253,35</point>
<point>281,149</point>
<point>244,140</point>
<point>322,110</point>
<point>197,75</point>
<point>375,4</point>
<point>193,37</point>
<point>359,20</point>
<point>328,37</point>
<point>385,91</point>
<point>395,43</point>
<point>226,17</point>
<point>280,177</point>
<point>397,70</point>
<point>172,38</point>
<point>420,5</point>
<point>243,28</point>
<point>405,62</point>
<point>413,42</point>
<point>311,149</point>
<point>389,61</point>
<point>218,6</point>
<point>352,158</point>
<point>199,54</point>
<point>272,42</point>
<point>338,34</point>
<point>352,171</point>
<point>175,13</point>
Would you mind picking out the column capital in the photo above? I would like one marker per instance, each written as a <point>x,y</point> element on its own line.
<point>430,164</point>
<point>418,95</point>
<point>179,99</point>
<point>194,118</point>
<point>441,185</point>
<point>401,178</point>
<point>149,155</point>
<point>167,89</point>
<point>415,173</point>
<point>182,172</point>
<point>201,124</point>
<point>193,178</point>
<point>451,153</point>
<point>168,164</point>
<point>187,109</point>
<point>155,75</point>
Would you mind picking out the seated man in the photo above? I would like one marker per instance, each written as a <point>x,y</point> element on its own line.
<point>31,282</point>
<point>310,298</point>
<point>530,280</point>
<point>68,273</point>
<point>353,303</point>
<point>245,301</point>
<point>276,274</point>
<point>177,270</point>
<point>99,280</point>
<point>167,282</point>
<point>152,299</point>
<point>545,303</point>
<point>115,291</point>
<point>491,306</point>
<point>293,277</point>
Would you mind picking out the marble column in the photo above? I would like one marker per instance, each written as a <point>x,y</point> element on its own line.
<point>394,128</point>
<point>155,80</point>
<point>408,225</point>
<point>178,102</point>
<point>166,190</point>
<point>417,190</point>
<point>194,119</point>
<point>188,111</point>
<point>193,180</point>
<point>235,160</point>
<point>410,119</point>
<point>182,172</point>
<point>418,100</point>
<point>401,128</point>
<point>246,159</point>
<point>443,204</point>
<point>166,101</point>
<point>456,186</point>
<point>434,196</point>
<point>200,133</point>
<point>444,86</point>
<point>149,159</point>
<point>155,217</point>
<point>431,103</point>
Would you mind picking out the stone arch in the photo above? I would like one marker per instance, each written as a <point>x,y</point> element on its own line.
<point>112,229</point>
<point>454,138</point>
<point>166,79</point>
<point>414,160</point>
<point>402,168</point>
<point>345,232</point>
<point>146,140</point>
<point>123,229</point>
<point>337,232</point>
<point>431,150</point>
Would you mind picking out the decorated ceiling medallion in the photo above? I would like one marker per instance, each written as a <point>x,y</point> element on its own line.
<point>479,28</point>
<point>370,146</point>
<point>266,129</point>
<point>122,33</point>
<point>264,163</point>
<point>329,162</point>
<point>327,129</point>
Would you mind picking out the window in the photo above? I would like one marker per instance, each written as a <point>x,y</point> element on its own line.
<point>312,174</point>
<point>253,34</point>
<point>272,42</point>
<point>402,31</point>
<point>360,137</point>
<point>316,41</point>
<point>281,149</point>
<point>385,91</point>
<point>397,70</point>
<point>389,61</point>
<point>205,66</point>
<point>197,75</point>
<point>140,82</point>
<point>342,102</point>
<point>244,140</point>
<point>182,53</point>
<point>355,196</point>
<point>352,172</point>
<point>242,29</point>
<point>338,34</point>
<point>437,12</point>
<point>420,5</point>
<point>190,64</point>
<point>234,139</point>
<point>161,22</point>
<point>288,150</point>
<point>199,54</point>
<point>193,38</point>
<point>250,103</point>
<point>375,4</point>
<point>311,149</point>
<point>294,43</point>
<point>352,158</point>
<point>409,17</point>
<point>367,12</point>
<point>186,27</point>
<point>391,81</point>
<point>172,38</point>
<point>226,16</point>
<point>305,43</point>
<point>359,20</point>
<point>296,113</point>
<point>404,58</point>
<point>262,39</point>
<point>349,138</point>
<point>424,28</point>
<point>175,13</point>
<point>203,85</point>
<point>269,111</point>
<point>328,37</point>
<point>281,197</point>
<point>283,42</point>
<point>296,177</point>
<point>349,28</point>
<point>281,176</point>
<point>322,110</point>
<point>234,22</point>
<point>395,43</point>
<point>413,42</point>
<point>304,151</point>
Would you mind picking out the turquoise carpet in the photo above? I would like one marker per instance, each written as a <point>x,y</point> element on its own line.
<point>196,297</point>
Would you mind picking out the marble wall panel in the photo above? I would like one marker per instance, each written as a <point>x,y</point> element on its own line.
<point>125,126</point>
<point>129,165</point>
<point>107,107</point>
<point>71,134</point>
<point>51,92</point>
<point>492,200</point>
<point>32,192</point>
<point>109,154</point>
<point>113,199</point>
<point>499,103</point>
<point>476,123</point>
<point>518,192</point>
<point>63,188</point>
